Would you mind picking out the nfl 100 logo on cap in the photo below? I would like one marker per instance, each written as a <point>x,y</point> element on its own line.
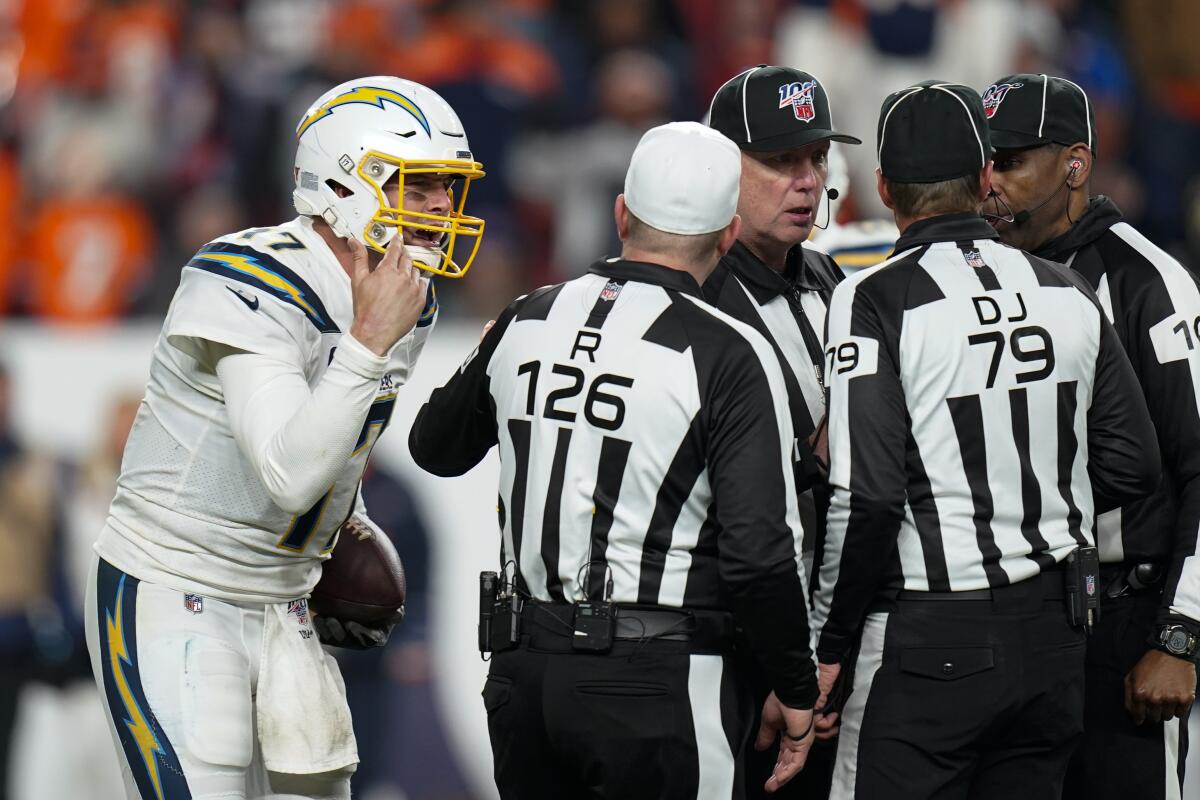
<point>800,97</point>
<point>994,95</point>
<point>774,108</point>
<point>1046,109</point>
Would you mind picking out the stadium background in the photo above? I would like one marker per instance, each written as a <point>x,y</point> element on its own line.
<point>133,131</point>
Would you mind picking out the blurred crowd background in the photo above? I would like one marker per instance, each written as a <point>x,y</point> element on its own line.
<point>134,131</point>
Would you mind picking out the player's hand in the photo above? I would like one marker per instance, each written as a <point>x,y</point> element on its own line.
<point>353,635</point>
<point>827,722</point>
<point>388,299</point>
<point>1159,687</point>
<point>794,728</point>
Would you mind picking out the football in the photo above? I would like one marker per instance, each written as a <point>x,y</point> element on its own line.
<point>363,581</point>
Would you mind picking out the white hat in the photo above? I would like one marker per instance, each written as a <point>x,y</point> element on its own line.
<point>683,178</point>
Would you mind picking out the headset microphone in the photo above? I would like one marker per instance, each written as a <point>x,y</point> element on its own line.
<point>832,194</point>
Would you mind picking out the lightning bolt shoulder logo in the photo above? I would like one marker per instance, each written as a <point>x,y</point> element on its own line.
<point>263,272</point>
<point>368,95</point>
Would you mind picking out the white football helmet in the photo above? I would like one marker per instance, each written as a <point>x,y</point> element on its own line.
<point>362,133</point>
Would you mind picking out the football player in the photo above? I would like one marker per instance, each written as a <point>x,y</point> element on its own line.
<point>275,372</point>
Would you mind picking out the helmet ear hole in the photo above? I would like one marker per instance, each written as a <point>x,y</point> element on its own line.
<point>339,189</point>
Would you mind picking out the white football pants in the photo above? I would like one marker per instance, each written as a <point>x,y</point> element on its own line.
<point>179,679</point>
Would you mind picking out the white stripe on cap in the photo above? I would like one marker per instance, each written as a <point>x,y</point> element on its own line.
<point>1087,112</point>
<point>745,118</point>
<point>883,128</point>
<point>828,105</point>
<point>722,86</point>
<point>1042,121</point>
<point>971,119</point>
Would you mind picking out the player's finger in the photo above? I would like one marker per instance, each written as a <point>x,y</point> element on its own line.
<point>394,252</point>
<point>358,252</point>
<point>405,256</point>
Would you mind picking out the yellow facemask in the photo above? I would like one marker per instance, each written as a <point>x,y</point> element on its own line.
<point>454,224</point>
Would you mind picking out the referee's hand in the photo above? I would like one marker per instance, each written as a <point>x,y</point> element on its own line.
<point>1159,687</point>
<point>827,725</point>
<point>794,727</point>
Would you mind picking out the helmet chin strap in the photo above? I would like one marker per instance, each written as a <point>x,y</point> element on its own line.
<point>426,255</point>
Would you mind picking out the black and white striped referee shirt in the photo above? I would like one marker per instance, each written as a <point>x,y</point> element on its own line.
<point>1154,305</point>
<point>789,311</point>
<point>644,437</point>
<point>976,396</point>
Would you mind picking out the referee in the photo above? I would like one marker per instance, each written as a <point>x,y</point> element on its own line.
<point>647,507</point>
<point>1141,662</point>
<point>781,120</point>
<point>973,392</point>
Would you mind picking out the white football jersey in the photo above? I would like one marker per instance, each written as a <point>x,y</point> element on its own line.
<point>190,511</point>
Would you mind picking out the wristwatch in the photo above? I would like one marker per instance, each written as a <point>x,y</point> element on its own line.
<point>1178,641</point>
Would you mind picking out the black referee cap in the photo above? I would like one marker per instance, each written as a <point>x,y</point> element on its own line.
<point>774,108</point>
<point>932,131</point>
<point>1031,110</point>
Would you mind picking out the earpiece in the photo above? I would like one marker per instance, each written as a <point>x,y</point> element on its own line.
<point>1075,164</point>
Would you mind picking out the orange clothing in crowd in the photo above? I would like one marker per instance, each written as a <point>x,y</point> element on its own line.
<point>86,258</point>
<point>10,191</point>
<point>47,29</point>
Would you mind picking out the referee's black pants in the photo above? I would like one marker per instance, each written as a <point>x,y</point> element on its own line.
<point>648,720</point>
<point>1118,759</point>
<point>957,699</point>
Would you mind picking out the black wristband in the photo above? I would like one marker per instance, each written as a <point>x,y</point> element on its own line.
<point>811,721</point>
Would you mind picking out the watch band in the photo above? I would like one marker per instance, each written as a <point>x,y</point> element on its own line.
<point>1178,641</point>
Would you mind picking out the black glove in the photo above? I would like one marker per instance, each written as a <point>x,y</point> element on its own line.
<point>354,635</point>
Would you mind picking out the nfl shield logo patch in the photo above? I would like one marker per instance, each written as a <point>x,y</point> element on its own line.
<point>300,609</point>
<point>974,259</point>
<point>1091,585</point>
<point>610,291</point>
<point>193,603</point>
<point>800,97</point>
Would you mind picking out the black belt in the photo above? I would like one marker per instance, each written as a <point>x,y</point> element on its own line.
<point>551,626</point>
<point>1051,580</point>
